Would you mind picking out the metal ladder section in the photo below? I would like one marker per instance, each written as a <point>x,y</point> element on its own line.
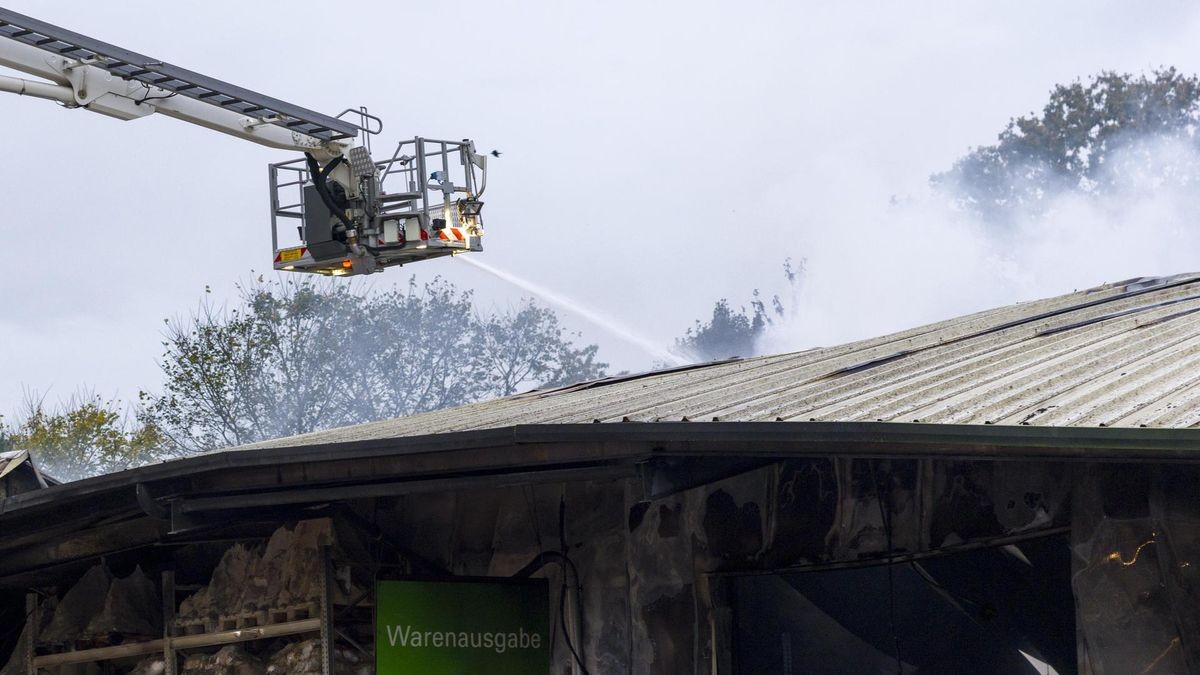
<point>154,73</point>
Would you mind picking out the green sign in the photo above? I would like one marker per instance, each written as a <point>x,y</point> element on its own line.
<point>455,627</point>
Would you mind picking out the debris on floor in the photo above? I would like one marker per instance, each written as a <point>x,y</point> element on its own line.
<point>304,658</point>
<point>230,660</point>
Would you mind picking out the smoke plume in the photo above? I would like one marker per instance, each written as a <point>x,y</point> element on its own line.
<point>878,263</point>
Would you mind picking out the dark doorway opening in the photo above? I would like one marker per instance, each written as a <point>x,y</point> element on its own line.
<point>993,610</point>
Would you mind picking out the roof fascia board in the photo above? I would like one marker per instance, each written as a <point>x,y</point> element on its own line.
<point>619,441</point>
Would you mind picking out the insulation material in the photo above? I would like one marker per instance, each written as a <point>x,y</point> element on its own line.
<point>286,572</point>
<point>132,607</point>
<point>85,600</point>
<point>304,658</point>
<point>231,660</point>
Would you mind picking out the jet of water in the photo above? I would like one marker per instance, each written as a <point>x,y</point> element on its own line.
<point>600,319</point>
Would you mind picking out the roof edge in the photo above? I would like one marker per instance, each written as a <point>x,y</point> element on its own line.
<point>624,441</point>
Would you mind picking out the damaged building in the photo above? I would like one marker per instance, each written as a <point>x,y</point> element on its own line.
<point>19,474</point>
<point>1013,491</point>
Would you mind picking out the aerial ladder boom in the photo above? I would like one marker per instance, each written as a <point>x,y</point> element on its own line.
<point>354,215</point>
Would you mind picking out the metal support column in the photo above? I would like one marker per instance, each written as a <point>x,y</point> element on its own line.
<point>33,619</point>
<point>328,637</point>
<point>168,611</point>
<point>721,624</point>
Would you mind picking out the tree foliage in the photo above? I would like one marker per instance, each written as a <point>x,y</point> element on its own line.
<point>85,436</point>
<point>1072,143</point>
<point>527,344</point>
<point>733,332</point>
<point>302,355</point>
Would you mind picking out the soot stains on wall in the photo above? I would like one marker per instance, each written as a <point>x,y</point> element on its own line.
<point>648,605</point>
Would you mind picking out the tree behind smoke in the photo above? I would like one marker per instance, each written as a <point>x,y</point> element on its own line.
<point>83,436</point>
<point>1073,145</point>
<point>730,332</point>
<point>303,355</point>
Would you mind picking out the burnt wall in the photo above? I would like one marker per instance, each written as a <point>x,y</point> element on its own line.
<point>650,604</point>
<point>1135,539</point>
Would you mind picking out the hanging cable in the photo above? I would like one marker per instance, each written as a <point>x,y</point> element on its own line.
<point>531,502</point>
<point>147,97</point>
<point>568,570</point>
<point>319,177</point>
<point>562,597</point>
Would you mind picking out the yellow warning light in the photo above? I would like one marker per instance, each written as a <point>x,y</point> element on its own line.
<point>346,264</point>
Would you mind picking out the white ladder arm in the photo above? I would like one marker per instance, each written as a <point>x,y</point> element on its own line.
<point>81,83</point>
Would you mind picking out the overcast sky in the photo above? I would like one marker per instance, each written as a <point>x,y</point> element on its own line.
<point>657,156</point>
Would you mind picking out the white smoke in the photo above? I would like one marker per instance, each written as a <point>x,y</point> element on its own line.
<point>878,263</point>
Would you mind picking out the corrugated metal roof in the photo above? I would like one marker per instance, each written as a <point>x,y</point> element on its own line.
<point>10,460</point>
<point>1124,355</point>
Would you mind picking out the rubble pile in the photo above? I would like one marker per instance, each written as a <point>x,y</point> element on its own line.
<point>280,580</point>
<point>132,607</point>
<point>97,606</point>
<point>293,562</point>
<point>228,584</point>
<point>85,600</point>
<point>304,658</point>
<point>285,573</point>
<point>231,660</point>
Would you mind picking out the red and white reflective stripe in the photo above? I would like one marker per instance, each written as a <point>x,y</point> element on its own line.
<point>451,234</point>
<point>279,255</point>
